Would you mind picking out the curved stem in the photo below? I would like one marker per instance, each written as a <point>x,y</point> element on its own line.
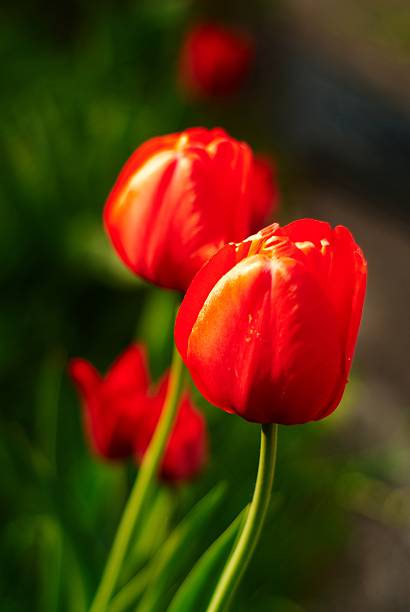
<point>143,484</point>
<point>246,543</point>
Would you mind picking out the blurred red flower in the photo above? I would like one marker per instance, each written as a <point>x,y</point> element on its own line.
<point>112,404</point>
<point>268,326</point>
<point>178,199</point>
<point>214,59</point>
<point>264,191</point>
<point>121,414</point>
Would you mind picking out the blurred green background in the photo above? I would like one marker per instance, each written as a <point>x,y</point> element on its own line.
<point>83,84</point>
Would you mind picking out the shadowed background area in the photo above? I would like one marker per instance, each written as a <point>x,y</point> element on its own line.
<point>83,84</point>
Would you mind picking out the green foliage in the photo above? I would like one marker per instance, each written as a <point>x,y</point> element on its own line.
<point>175,556</point>
<point>195,592</point>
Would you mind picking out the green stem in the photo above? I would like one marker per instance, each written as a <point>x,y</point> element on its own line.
<point>143,484</point>
<point>246,543</point>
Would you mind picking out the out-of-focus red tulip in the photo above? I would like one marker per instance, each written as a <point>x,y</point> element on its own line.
<point>214,60</point>
<point>268,326</point>
<point>178,199</point>
<point>186,450</point>
<point>264,191</point>
<point>112,404</point>
<point>121,413</point>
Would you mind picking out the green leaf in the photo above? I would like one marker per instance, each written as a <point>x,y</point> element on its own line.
<point>75,592</point>
<point>51,550</point>
<point>195,592</point>
<point>156,527</point>
<point>130,592</point>
<point>171,561</point>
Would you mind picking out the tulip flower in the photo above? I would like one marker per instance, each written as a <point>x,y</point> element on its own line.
<point>121,413</point>
<point>269,325</point>
<point>112,404</point>
<point>214,60</point>
<point>264,191</point>
<point>178,199</point>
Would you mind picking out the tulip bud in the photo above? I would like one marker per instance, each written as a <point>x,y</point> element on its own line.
<point>121,414</point>
<point>178,199</point>
<point>112,404</point>
<point>214,60</point>
<point>268,326</point>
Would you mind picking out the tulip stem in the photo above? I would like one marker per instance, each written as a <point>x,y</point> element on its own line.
<point>248,539</point>
<point>141,490</point>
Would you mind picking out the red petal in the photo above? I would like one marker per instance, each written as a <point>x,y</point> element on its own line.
<point>265,343</point>
<point>131,213</point>
<point>89,384</point>
<point>341,269</point>
<point>129,373</point>
<point>85,377</point>
<point>137,159</point>
<point>347,286</point>
<point>173,204</point>
<point>201,286</point>
<point>186,451</point>
<point>308,230</point>
<point>202,136</point>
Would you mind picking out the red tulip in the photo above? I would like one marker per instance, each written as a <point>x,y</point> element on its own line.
<point>178,199</point>
<point>214,60</point>
<point>113,404</point>
<point>264,191</point>
<point>268,326</point>
<point>121,414</point>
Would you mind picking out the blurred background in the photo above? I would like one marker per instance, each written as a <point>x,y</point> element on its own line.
<point>328,95</point>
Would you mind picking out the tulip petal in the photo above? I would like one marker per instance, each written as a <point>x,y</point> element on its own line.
<point>203,137</point>
<point>85,377</point>
<point>308,230</point>
<point>199,209</point>
<point>129,373</point>
<point>248,338</point>
<point>128,217</point>
<point>204,281</point>
<point>348,277</point>
<point>141,154</point>
<point>112,406</point>
<point>89,384</point>
<point>340,266</point>
<point>176,203</point>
